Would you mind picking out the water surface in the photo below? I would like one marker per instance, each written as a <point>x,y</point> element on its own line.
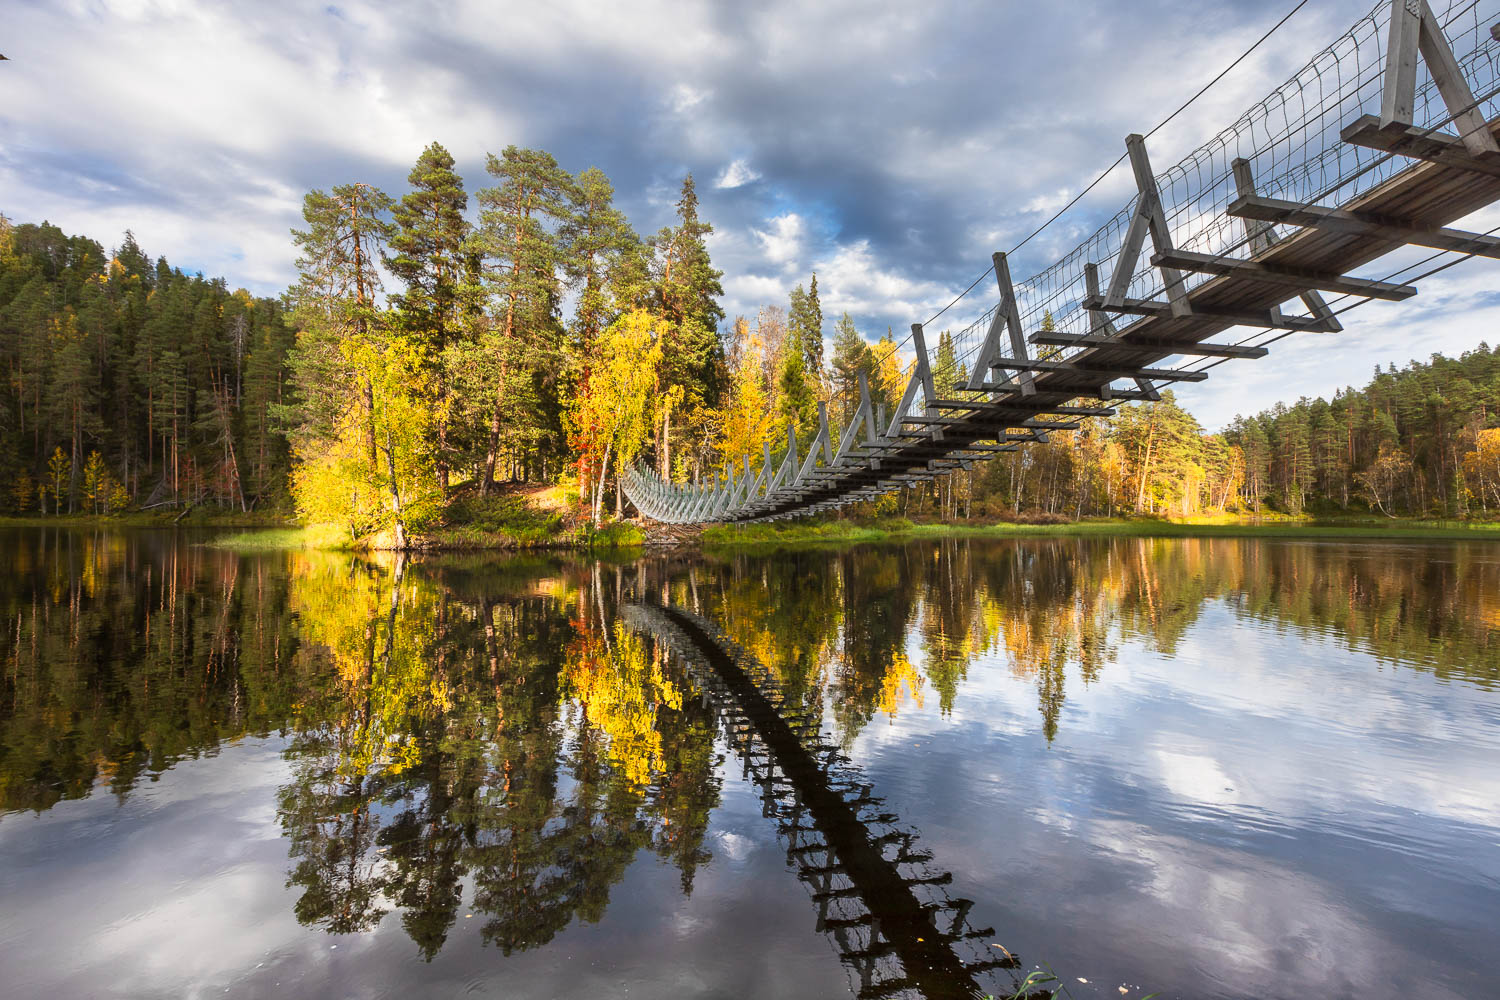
<point>1213,768</point>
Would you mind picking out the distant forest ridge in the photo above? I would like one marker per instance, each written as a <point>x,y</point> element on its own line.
<point>129,384</point>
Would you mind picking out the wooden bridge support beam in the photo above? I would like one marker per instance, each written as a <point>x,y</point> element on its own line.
<point>1007,317</point>
<point>1151,218</point>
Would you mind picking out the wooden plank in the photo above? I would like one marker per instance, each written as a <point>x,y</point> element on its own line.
<point>1364,224</point>
<point>983,406</point>
<point>1436,147</point>
<point>935,449</point>
<point>1155,346</point>
<point>1085,368</point>
<point>1235,317</point>
<point>1294,277</point>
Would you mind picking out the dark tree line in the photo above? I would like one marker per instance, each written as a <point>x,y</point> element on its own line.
<point>1419,440</point>
<point>129,383</point>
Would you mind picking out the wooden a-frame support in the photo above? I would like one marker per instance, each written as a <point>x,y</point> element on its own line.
<point>921,378</point>
<point>1263,237</point>
<point>1007,317</point>
<point>1150,218</point>
<point>1415,32</point>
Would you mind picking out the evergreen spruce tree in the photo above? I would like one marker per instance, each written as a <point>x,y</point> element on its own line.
<point>687,291</point>
<point>797,404</point>
<point>851,357</point>
<point>805,316</point>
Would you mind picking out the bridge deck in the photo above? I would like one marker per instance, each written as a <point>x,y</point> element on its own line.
<point>1424,195</point>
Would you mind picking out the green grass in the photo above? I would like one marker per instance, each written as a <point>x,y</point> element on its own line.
<point>510,521</point>
<point>503,522</point>
<point>503,514</point>
<point>317,536</point>
<point>822,532</point>
<point>618,535</point>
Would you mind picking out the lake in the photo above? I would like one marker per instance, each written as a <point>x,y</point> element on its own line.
<point>1201,767</point>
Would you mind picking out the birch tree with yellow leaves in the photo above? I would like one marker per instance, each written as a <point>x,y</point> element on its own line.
<point>609,416</point>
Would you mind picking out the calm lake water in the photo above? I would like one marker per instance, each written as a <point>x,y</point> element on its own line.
<point>1210,768</point>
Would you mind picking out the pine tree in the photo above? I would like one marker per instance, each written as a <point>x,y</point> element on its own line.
<point>945,365</point>
<point>518,231</point>
<point>72,392</point>
<point>336,297</point>
<point>797,404</point>
<point>598,240</point>
<point>431,253</point>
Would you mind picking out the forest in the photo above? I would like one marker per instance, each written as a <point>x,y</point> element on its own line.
<point>436,349</point>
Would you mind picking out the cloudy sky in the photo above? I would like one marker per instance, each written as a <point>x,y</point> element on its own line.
<point>890,147</point>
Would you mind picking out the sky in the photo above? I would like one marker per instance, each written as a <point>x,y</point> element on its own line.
<point>890,148</point>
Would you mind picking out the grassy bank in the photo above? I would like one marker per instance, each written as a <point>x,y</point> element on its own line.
<point>836,532</point>
<point>512,519</point>
<point>198,518</point>
<point>323,537</point>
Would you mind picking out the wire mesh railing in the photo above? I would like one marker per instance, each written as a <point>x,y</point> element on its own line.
<point>1292,139</point>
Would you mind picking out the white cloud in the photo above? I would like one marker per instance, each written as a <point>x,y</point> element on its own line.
<point>857,281</point>
<point>737,174</point>
<point>684,98</point>
<point>781,242</point>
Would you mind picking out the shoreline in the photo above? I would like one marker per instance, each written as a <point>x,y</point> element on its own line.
<point>759,536</point>
<point>266,535</point>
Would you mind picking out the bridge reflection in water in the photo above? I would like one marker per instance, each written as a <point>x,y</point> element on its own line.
<point>879,898</point>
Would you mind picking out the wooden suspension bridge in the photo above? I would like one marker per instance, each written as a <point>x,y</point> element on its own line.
<point>1283,250</point>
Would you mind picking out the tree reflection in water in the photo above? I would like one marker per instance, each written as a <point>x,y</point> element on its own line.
<point>491,723</point>
<point>516,737</point>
